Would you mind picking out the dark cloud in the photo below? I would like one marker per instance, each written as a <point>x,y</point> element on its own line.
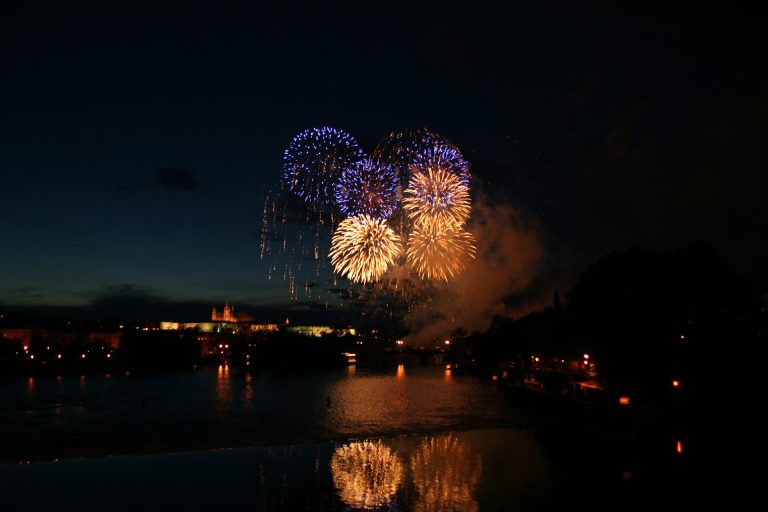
<point>176,179</point>
<point>28,292</point>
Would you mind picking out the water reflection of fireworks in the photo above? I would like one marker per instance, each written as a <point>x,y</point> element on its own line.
<point>446,474</point>
<point>366,474</point>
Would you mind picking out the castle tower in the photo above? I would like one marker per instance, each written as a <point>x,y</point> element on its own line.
<point>229,313</point>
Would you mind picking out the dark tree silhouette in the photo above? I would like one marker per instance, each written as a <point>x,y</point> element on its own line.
<point>650,317</point>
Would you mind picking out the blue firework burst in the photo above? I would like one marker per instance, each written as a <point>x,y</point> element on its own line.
<point>368,187</point>
<point>314,161</point>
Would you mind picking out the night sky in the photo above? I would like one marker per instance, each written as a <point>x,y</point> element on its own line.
<point>138,138</point>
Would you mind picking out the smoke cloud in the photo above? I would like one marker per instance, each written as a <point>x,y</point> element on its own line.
<point>509,254</point>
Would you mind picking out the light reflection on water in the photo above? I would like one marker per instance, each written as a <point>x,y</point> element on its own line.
<point>222,406</point>
<point>446,473</point>
<point>223,399</point>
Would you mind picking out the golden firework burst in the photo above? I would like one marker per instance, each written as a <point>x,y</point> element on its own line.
<point>363,248</point>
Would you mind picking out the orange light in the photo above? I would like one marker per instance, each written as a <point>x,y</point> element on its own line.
<point>675,383</point>
<point>679,447</point>
<point>447,367</point>
<point>447,342</point>
<point>624,400</point>
<point>494,377</point>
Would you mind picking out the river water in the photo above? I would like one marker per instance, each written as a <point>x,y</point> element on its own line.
<point>410,438</point>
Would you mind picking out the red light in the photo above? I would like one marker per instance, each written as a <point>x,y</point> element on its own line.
<point>624,400</point>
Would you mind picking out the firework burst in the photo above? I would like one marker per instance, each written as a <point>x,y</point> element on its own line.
<point>315,159</point>
<point>420,149</point>
<point>441,154</point>
<point>439,252</point>
<point>368,187</point>
<point>401,148</point>
<point>405,211</point>
<point>363,248</point>
<point>437,197</point>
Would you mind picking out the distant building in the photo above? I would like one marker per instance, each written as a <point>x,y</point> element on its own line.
<point>218,327</point>
<point>320,330</point>
<point>229,322</point>
<point>229,315</point>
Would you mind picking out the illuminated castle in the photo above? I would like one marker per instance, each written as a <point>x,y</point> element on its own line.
<point>228,315</point>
